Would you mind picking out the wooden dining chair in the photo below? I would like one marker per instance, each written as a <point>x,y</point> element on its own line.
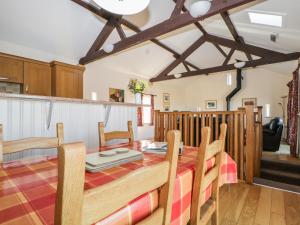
<point>202,212</point>
<point>103,137</point>
<point>76,206</point>
<point>7,147</point>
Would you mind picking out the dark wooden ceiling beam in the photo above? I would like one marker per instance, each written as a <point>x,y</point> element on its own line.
<point>136,29</point>
<point>220,49</point>
<point>186,66</point>
<point>203,31</point>
<point>183,56</point>
<point>252,63</point>
<point>102,37</point>
<point>128,24</point>
<point>167,26</point>
<point>119,28</point>
<point>228,57</point>
<point>98,11</point>
<point>178,8</point>
<point>258,51</point>
<point>233,31</point>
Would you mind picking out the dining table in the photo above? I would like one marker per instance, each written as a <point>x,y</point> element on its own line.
<point>28,187</point>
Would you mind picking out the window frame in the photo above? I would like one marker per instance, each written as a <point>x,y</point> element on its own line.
<point>146,106</point>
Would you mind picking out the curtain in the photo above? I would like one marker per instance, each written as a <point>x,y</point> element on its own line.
<point>292,112</point>
<point>152,110</point>
<point>140,114</point>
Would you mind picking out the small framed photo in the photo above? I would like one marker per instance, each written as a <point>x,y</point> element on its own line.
<point>166,99</point>
<point>116,95</point>
<point>249,101</point>
<point>211,104</point>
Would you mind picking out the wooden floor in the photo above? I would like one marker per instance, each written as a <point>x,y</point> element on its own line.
<point>245,204</point>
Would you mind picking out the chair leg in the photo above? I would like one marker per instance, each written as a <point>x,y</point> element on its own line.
<point>215,216</point>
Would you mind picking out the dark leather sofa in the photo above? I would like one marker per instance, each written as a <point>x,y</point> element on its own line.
<point>272,134</point>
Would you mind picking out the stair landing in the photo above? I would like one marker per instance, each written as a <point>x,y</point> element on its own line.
<point>281,169</point>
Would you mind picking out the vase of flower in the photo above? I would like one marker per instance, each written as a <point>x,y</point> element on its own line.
<point>138,98</point>
<point>137,88</point>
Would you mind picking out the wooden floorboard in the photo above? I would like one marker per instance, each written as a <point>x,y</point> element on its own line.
<point>243,204</point>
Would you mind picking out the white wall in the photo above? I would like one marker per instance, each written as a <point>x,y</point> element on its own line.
<point>188,94</point>
<point>268,87</point>
<point>102,75</point>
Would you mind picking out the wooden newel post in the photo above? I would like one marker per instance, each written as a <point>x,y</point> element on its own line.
<point>258,141</point>
<point>156,125</point>
<point>260,119</point>
<point>250,143</point>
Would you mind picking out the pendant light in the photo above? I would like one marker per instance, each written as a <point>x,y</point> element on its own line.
<point>108,48</point>
<point>178,75</point>
<point>199,8</point>
<point>239,64</point>
<point>123,7</point>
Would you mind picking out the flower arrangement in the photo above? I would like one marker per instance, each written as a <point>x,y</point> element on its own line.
<point>136,86</point>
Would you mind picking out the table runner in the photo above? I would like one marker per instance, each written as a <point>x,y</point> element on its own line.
<point>28,188</point>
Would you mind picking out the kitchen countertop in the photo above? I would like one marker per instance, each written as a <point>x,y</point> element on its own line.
<point>60,99</point>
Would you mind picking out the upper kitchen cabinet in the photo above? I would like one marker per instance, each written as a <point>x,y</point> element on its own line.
<point>67,80</point>
<point>37,78</point>
<point>11,69</point>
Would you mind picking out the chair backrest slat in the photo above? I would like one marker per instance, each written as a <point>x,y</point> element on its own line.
<point>117,135</point>
<point>95,204</point>
<point>203,179</point>
<point>29,143</point>
<point>124,190</point>
<point>213,149</point>
<point>209,178</point>
<point>103,137</point>
<point>7,147</point>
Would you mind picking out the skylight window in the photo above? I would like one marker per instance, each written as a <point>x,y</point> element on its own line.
<point>265,18</point>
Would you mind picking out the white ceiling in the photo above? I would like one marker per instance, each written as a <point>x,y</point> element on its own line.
<point>62,28</point>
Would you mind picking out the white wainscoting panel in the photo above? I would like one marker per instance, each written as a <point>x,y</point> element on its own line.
<point>23,118</point>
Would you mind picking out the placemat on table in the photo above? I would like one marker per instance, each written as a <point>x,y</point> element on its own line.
<point>95,162</point>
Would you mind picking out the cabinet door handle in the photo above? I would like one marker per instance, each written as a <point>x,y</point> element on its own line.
<point>3,78</point>
<point>26,88</point>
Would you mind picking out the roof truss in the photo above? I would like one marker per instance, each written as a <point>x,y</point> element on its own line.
<point>180,18</point>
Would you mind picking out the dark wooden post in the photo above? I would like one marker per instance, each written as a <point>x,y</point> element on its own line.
<point>242,143</point>
<point>156,125</point>
<point>258,141</point>
<point>250,143</point>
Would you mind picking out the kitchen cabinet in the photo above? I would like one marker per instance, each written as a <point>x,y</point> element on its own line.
<point>11,69</point>
<point>37,78</point>
<point>34,77</point>
<point>67,80</point>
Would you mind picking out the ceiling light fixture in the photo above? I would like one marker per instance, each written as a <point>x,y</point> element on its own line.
<point>240,64</point>
<point>108,48</point>
<point>178,75</point>
<point>199,8</point>
<point>123,7</point>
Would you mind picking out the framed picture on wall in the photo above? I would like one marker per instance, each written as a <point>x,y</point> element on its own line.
<point>116,95</point>
<point>211,104</point>
<point>166,99</point>
<point>249,101</point>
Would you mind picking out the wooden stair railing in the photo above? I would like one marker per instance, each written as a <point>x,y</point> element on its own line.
<point>244,133</point>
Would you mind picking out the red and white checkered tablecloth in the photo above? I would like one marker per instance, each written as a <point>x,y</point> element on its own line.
<point>28,189</point>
